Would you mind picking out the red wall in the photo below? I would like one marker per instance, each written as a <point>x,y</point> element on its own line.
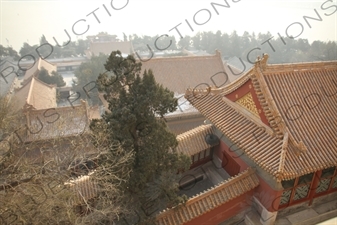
<point>222,147</point>
<point>264,193</point>
<point>201,162</point>
<point>223,212</point>
<point>268,197</point>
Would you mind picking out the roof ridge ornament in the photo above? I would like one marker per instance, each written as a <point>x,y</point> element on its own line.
<point>262,62</point>
<point>283,154</point>
<point>300,146</point>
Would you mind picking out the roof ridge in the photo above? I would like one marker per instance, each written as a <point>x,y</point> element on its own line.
<point>30,90</point>
<point>222,64</point>
<point>248,115</point>
<point>194,130</point>
<point>246,173</point>
<point>265,97</point>
<point>24,84</point>
<point>61,108</point>
<point>229,121</point>
<point>211,198</point>
<point>288,139</point>
<point>45,84</point>
<point>193,141</point>
<point>269,107</point>
<point>229,88</point>
<point>39,63</point>
<point>232,67</point>
<point>182,115</point>
<point>32,85</point>
<point>283,156</point>
<point>301,66</point>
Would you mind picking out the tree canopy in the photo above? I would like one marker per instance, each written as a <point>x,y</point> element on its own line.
<point>41,182</point>
<point>53,78</point>
<point>136,104</point>
<point>86,74</point>
<point>9,51</point>
<point>73,48</point>
<point>234,44</point>
<point>283,50</point>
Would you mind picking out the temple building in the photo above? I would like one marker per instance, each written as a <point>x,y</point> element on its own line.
<point>179,73</point>
<point>34,70</point>
<point>105,44</point>
<point>42,121</point>
<point>35,94</point>
<point>182,72</point>
<point>267,150</point>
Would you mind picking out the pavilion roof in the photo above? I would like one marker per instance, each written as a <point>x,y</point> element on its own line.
<point>193,141</point>
<point>210,199</point>
<point>179,73</point>
<point>36,94</point>
<point>58,122</point>
<point>301,96</point>
<point>36,68</point>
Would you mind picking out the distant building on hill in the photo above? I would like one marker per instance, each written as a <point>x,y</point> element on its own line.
<point>105,44</point>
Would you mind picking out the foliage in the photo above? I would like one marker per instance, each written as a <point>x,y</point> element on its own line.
<point>41,191</point>
<point>74,48</point>
<point>10,120</point>
<point>9,51</point>
<point>136,104</point>
<point>229,44</point>
<point>185,42</point>
<point>27,49</point>
<point>53,78</point>
<point>233,44</point>
<point>140,43</point>
<point>86,74</point>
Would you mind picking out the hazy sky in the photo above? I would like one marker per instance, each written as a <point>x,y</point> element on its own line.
<point>26,21</point>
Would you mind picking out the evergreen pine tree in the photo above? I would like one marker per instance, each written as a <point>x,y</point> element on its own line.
<point>137,105</point>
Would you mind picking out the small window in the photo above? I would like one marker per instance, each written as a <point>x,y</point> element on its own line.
<point>305,178</point>
<point>329,172</point>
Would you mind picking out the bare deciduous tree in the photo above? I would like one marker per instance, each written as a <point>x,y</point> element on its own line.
<point>60,180</point>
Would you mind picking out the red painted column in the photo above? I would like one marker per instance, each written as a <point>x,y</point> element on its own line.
<point>314,186</point>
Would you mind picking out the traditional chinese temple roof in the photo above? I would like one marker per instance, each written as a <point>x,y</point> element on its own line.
<point>299,102</point>
<point>193,141</point>
<point>210,199</point>
<point>35,94</point>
